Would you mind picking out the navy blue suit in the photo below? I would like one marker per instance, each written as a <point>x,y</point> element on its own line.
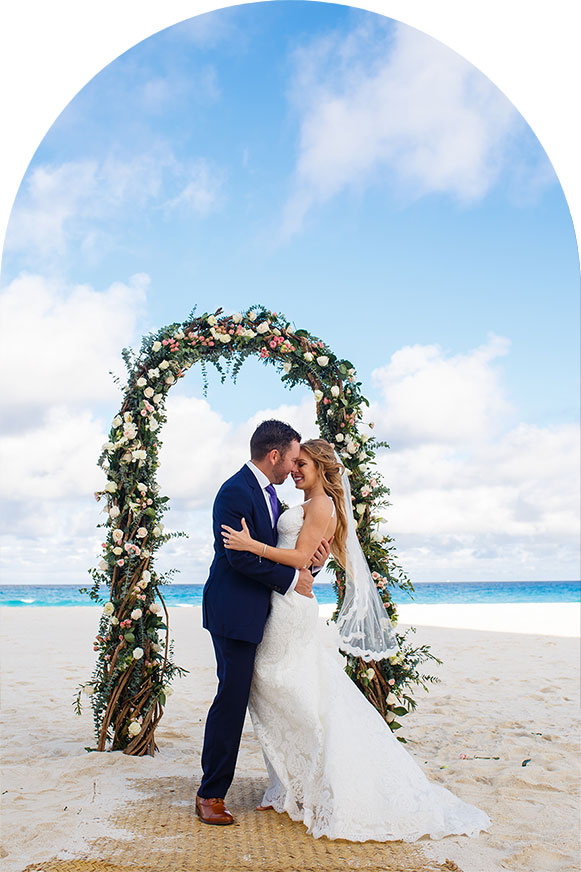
<point>235,605</point>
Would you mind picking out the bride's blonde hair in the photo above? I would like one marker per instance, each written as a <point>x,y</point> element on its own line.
<point>330,470</point>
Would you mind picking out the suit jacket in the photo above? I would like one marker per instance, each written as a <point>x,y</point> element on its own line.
<point>236,597</point>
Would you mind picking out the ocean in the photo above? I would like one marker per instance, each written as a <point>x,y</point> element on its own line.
<point>187,595</point>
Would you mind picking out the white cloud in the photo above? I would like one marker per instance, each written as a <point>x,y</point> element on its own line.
<point>82,201</point>
<point>395,107</point>
<point>59,342</point>
<point>434,398</point>
<point>474,495</point>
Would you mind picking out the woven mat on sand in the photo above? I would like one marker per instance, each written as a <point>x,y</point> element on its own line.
<point>168,837</point>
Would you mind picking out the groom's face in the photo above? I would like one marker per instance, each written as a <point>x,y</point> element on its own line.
<point>283,464</point>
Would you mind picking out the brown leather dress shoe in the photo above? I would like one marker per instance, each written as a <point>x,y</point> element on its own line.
<point>213,811</point>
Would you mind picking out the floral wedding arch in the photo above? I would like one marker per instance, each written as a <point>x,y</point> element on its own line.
<point>135,666</point>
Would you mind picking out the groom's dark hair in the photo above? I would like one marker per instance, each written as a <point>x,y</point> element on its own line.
<point>272,434</point>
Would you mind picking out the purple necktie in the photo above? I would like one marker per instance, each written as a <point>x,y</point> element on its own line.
<point>273,503</point>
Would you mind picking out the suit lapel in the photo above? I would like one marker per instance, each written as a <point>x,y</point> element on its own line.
<point>266,528</point>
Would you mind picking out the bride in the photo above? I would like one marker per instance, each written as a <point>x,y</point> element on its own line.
<point>332,760</point>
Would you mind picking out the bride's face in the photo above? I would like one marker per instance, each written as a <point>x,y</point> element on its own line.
<point>305,474</point>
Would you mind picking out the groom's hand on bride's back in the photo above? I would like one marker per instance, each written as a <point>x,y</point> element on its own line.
<point>304,585</point>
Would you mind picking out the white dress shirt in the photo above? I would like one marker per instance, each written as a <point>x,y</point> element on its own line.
<point>264,481</point>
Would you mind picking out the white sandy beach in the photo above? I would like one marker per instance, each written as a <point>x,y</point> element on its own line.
<point>509,689</point>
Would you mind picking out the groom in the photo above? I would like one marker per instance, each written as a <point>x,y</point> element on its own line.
<point>236,602</point>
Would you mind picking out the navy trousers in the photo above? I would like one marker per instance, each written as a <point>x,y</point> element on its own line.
<point>235,661</point>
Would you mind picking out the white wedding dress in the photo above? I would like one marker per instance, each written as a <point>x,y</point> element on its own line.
<point>332,760</point>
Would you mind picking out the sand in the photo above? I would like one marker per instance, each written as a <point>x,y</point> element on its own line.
<point>509,689</point>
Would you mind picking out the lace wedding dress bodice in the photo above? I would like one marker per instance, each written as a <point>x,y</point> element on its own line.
<point>332,761</point>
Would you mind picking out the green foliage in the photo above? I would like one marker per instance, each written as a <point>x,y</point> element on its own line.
<point>135,508</point>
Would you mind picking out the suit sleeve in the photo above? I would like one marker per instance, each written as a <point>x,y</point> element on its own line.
<point>230,507</point>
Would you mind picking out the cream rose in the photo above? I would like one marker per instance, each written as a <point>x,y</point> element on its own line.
<point>148,392</point>
<point>308,356</point>
<point>322,360</point>
<point>146,574</point>
<point>137,653</point>
<point>155,608</point>
<point>263,327</point>
<point>103,565</point>
<point>117,421</point>
<point>287,366</point>
<point>118,535</point>
<point>111,487</point>
<point>117,551</point>
<point>163,364</point>
<point>391,699</point>
<point>339,437</point>
<point>134,728</point>
<point>252,316</point>
<point>114,512</point>
<point>212,320</point>
<point>141,382</point>
<point>170,379</point>
<point>370,673</point>
<point>136,614</point>
<point>237,317</point>
<point>141,532</point>
<point>335,391</point>
<point>318,395</point>
<point>108,609</point>
<point>156,345</point>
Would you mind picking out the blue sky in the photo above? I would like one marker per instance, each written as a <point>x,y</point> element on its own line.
<point>369,183</point>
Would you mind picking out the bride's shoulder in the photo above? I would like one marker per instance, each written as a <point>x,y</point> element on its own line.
<point>321,504</point>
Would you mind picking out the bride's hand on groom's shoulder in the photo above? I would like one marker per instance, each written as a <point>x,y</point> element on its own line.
<point>304,585</point>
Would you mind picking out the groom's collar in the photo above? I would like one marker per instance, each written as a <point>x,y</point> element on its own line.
<point>261,478</point>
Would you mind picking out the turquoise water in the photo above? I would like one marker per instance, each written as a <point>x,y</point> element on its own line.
<point>19,595</point>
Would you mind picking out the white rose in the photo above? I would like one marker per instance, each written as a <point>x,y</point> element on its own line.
<point>127,417</point>
<point>111,487</point>
<point>163,364</point>
<point>252,316</point>
<point>153,425</point>
<point>362,455</point>
<point>363,467</point>
<point>141,532</point>
<point>156,345</point>
<point>117,420</point>
<point>141,382</point>
<point>157,531</point>
<point>263,327</point>
<point>308,356</point>
<point>352,448</point>
<point>276,331</point>
<point>157,398</point>
<point>170,379</point>
<point>389,717</point>
<point>114,512</point>
<point>117,550</point>
<point>318,395</point>
<point>103,565</point>
<point>212,320</point>
<point>339,437</point>
<point>142,487</point>
<point>137,653</point>
<point>109,446</point>
<point>139,454</point>
<point>108,608</point>
<point>145,554</point>
<point>370,673</point>
<point>377,536</point>
<point>287,366</point>
<point>237,317</point>
<point>360,508</point>
<point>148,393</point>
<point>179,335</point>
<point>226,338</point>
<point>364,437</point>
<point>335,391</point>
<point>136,614</point>
<point>322,360</point>
<point>134,728</point>
<point>155,608</point>
<point>117,535</point>
<point>145,575</point>
<point>250,333</point>
<point>391,699</point>
<point>114,620</point>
